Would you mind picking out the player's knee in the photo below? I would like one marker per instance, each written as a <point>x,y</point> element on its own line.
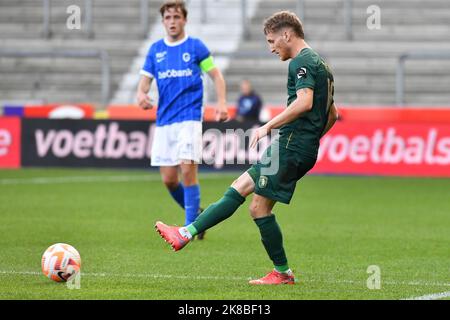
<point>244,186</point>
<point>254,210</point>
<point>189,174</point>
<point>235,184</point>
<point>260,207</point>
<point>170,182</point>
<point>189,178</point>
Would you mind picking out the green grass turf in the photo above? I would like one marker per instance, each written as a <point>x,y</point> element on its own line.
<point>334,228</point>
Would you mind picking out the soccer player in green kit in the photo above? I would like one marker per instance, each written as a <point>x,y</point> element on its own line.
<point>310,114</point>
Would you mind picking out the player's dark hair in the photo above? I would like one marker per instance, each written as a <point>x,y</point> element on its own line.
<point>281,20</point>
<point>177,4</point>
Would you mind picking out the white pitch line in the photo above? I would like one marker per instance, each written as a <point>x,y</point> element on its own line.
<point>132,275</point>
<point>181,277</point>
<point>75,179</point>
<point>91,179</point>
<point>433,296</point>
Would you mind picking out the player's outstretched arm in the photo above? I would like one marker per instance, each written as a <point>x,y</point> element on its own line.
<point>332,118</point>
<point>219,83</point>
<point>142,97</point>
<point>302,104</point>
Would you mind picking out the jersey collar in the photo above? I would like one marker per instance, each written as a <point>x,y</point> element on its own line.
<point>174,44</point>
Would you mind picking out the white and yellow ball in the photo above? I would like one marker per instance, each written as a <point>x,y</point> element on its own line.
<point>60,261</point>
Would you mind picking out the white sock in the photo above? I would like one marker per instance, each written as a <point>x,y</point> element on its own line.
<point>288,271</point>
<point>185,233</point>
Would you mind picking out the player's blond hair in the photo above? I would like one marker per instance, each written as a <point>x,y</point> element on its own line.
<point>177,4</point>
<point>281,20</point>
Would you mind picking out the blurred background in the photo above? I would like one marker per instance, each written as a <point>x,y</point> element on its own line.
<point>81,58</point>
<point>364,57</point>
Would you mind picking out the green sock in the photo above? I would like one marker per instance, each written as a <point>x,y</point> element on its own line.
<point>272,240</point>
<point>217,212</point>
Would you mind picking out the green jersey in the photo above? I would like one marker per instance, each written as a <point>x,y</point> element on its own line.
<point>308,70</point>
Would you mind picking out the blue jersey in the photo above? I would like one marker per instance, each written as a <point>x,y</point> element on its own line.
<point>176,68</point>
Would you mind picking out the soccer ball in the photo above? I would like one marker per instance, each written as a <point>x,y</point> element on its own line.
<point>60,261</point>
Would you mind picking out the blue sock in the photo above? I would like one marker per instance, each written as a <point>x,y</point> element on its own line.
<point>192,202</point>
<point>178,195</point>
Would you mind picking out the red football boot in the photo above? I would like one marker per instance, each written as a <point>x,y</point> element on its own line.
<point>275,277</point>
<point>171,235</point>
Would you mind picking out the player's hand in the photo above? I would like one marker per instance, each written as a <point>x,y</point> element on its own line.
<point>221,112</point>
<point>144,101</point>
<point>261,132</point>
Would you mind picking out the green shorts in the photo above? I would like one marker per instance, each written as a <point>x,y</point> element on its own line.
<point>277,173</point>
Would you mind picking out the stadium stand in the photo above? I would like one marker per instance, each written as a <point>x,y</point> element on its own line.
<point>116,29</point>
<point>364,66</point>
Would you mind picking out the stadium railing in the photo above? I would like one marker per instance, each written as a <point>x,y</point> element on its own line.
<point>348,9</point>
<point>46,13</point>
<point>70,53</point>
<point>400,73</point>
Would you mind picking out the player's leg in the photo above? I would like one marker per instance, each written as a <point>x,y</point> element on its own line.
<point>272,239</point>
<point>224,208</point>
<point>275,177</point>
<point>280,186</point>
<point>188,135</point>
<point>169,176</point>
<point>189,173</point>
<point>164,157</point>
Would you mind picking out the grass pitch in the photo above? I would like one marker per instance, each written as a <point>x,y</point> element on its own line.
<point>334,229</point>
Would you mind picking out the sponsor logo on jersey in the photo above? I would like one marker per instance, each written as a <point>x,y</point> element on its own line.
<point>301,73</point>
<point>172,73</point>
<point>160,56</point>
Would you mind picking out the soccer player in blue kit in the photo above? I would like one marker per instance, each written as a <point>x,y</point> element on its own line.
<point>176,63</point>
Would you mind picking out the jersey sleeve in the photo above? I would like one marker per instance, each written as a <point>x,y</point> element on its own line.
<point>207,64</point>
<point>202,51</point>
<point>148,69</point>
<point>305,74</point>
